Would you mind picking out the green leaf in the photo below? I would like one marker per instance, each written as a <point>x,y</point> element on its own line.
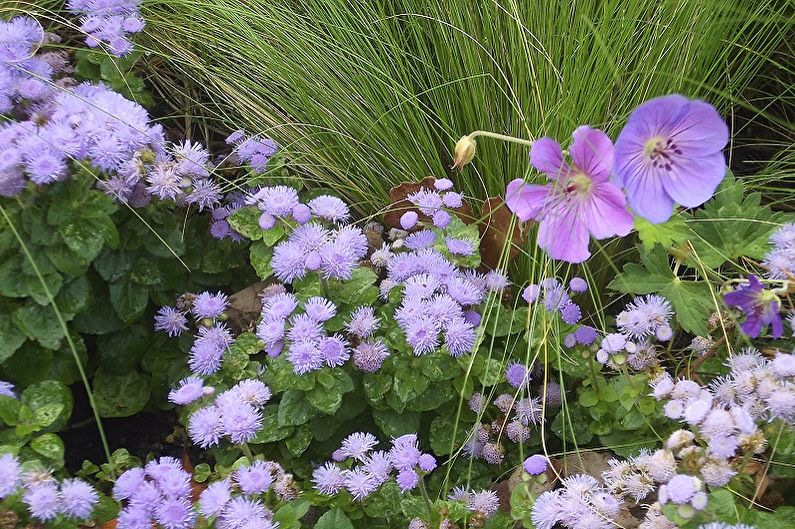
<point>260,256</point>
<point>86,237</point>
<point>409,384</point>
<point>730,226</point>
<point>668,233</point>
<point>357,290</point>
<point>51,447</point>
<point>245,221</point>
<point>692,300</point>
<point>38,292</point>
<point>39,323</point>
<point>74,296</point>
<point>271,431</point>
<point>588,398</point>
<point>396,424</point>
<point>289,515</point>
<point>385,502</point>
<point>443,428</point>
<point>9,410</point>
<point>50,403</point>
<point>294,409</point>
<point>334,519</point>
<point>11,337</point>
<point>121,351</point>
<point>128,299</point>
<point>299,441</point>
<point>120,395</point>
<point>571,422</point>
<point>376,385</point>
<point>201,472</point>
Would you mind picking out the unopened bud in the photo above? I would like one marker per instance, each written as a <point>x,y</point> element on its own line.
<point>464,152</point>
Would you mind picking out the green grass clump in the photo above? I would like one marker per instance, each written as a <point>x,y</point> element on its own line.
<point>369,94</point>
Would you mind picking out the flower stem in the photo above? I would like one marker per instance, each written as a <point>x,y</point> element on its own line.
<point>247,452</point>
<point>427,500</point>
<point>501,137</point>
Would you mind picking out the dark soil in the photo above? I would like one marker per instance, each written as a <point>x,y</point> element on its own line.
<point>141,434</point>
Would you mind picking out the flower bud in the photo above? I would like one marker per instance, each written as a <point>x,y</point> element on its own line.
<point>464,152</point>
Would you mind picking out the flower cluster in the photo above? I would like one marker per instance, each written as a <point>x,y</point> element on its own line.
<point>581,503</point>
<point>235,414</point>
<point>45,498</point>
<point>333,252</point>
<point>57,120</point>
<point>252,150</point>
<point>643,321</point>
<point>213,337</point>
<point>309,347</point>
<point>780,260</point>
<point>434,203</point>
<point>109,22</point>
<point>237,501</point>
<point>361,470</point>
<point>514,421</point>
<point>158,493</point>
<point>439,297</point>
<point>484,502</point>
<point>556,299</point>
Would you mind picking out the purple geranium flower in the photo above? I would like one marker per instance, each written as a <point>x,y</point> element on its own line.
<point>579,200</point>
<point>670,151</point>
<point>760,307</point>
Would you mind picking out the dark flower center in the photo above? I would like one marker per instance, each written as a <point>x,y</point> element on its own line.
<point>661,152</point>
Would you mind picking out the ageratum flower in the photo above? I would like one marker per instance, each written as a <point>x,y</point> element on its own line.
<point>579,200</point>
<point>10,475</point>
<point>42,500</point>
<point>670,152</point>
<point>214,498</point>
<point>761,308</point>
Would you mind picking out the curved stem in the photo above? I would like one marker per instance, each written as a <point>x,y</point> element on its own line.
<point>427,500</point>
<point>65,330</point>
<point>501,137</point>
<point>247,452</point>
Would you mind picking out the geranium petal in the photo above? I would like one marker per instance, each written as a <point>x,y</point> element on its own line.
<point>605,213</point>
<point>547,156</point>
<point>646,195</point>
<point>700,130</point>
<point>526,201</point>
<point>592,153</point>
<point>691,182</point>
<point>563,236</point>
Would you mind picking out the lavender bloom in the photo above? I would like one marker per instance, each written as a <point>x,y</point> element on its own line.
<point>485,502</point>
<point>42,500</point>
<point>77,498</point>
<point>370,356</point>
<point>357,445</point>
<point>10,477</point>
<point>407,479</point>
<point>443,184</point>
<point>214,498</point>
<point>329,208</point>
<point>334,350</point>
<point>278,201</point>
<point>176,513</point>
<point>459,336</point>
<point>190,389</point>
<point>280,305</point>
<point>328,479</point>
<point>305,357</point>
<point>408,220</point>
<point>459,246</point>
<point>206,426</point>
<point>359,483</point>
<point>207,305</point>
<point>535,465</point>
<point>363,322</point>
<point>170,321</point>
<point>517,375</point>
<point>240,511</point>
<point>241,423</point>
<point>580,200</point>
<point>761,308</point>
<point>320,309</point>
<point>254,479</point>
<point>420,240</point>
<point>109,22</point>
<point>670,152</point>
<point>7,389</point>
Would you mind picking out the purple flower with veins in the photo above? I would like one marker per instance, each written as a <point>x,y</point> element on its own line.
<point>760,307</point>
<point>171,321</point>
<point>670,152</point>
<point>580,199</point>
